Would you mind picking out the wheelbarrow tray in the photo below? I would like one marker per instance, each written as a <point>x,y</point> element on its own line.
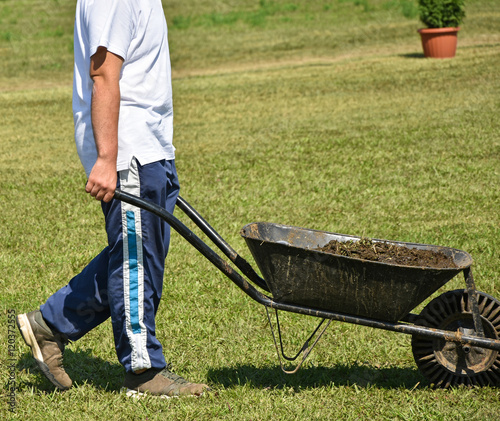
<point>298,274</point>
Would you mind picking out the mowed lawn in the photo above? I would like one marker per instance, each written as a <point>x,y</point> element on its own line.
<point>318,114</point>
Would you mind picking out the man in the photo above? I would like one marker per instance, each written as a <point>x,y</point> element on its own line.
<point>122,106</point>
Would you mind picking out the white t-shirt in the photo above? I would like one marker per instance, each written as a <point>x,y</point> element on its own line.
<point>135,30</point>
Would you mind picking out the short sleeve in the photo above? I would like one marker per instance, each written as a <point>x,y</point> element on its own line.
<point>110,24</point>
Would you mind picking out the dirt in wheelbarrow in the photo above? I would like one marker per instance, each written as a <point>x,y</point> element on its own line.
<point>384,252</point>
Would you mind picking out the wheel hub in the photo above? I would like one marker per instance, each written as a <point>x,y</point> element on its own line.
<point>461,358</point>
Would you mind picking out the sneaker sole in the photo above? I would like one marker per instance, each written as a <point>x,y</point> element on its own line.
<point>28,336</point>
<point>24,326</point>
<point>135,394</point>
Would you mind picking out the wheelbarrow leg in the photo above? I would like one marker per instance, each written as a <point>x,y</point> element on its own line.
<point>305,350</point>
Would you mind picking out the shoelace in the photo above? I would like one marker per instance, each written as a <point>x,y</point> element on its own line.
<point>172,376</point>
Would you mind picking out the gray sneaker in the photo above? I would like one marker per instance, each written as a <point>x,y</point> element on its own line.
<point>47,347</point>
<point>158,382</point>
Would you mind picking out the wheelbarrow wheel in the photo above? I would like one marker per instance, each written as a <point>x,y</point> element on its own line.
<point>447,363</point>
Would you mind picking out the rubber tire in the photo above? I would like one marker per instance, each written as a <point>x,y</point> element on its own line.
<point>448,364</point>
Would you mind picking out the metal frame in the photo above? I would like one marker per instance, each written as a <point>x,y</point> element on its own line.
<point>405,326</point>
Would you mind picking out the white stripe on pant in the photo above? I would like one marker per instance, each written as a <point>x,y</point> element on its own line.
<point>133,271</point>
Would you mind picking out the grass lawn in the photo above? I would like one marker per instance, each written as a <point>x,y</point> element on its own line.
<point>319,114</point>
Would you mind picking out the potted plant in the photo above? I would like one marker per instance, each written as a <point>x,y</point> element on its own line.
<point>442,18</point>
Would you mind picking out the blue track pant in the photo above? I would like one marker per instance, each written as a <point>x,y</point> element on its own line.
<point>125,280</point>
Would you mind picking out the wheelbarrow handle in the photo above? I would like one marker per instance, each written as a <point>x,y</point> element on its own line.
<point>196,242</point>
<point>239,261</point>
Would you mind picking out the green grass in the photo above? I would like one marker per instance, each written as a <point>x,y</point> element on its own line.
<point>321,114</point>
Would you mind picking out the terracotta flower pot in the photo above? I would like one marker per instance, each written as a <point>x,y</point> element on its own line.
<point>439,42</point>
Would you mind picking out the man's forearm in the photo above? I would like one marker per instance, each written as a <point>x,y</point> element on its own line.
<point>104,112</point>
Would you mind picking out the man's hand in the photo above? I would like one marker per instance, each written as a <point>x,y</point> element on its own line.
<point>105,68</point>
<point>102,180</point>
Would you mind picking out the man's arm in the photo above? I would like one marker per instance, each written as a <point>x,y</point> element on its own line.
<point>105,68</point>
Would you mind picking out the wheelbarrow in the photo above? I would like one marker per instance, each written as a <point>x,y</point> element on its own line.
<point>455,338</point>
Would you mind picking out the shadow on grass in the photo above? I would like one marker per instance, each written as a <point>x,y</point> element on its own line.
<point>462,47</point>
<point>340,375</point>
<point>85,368</point>
<point>412,55</point>
<point>81,366</point>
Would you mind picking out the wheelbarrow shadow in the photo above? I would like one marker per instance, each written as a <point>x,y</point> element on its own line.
<point>311,377</point>
<point>86,368</point>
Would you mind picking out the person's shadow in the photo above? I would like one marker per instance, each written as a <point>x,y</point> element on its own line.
<point>81,366</point>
